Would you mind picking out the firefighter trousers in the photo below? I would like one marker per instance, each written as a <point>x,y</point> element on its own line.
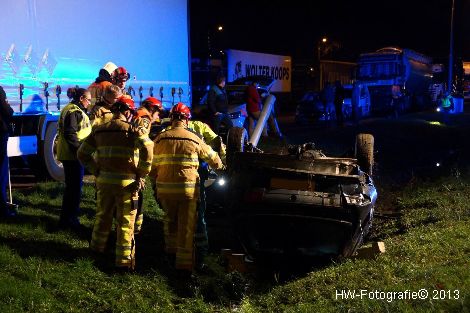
<point>179,227</point>
<point>115,200</point>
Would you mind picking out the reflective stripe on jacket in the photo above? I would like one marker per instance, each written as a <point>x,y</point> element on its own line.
<point>176,159</point>
<point>64,150</point>
<point>117,145</point>
<point>207,134</point>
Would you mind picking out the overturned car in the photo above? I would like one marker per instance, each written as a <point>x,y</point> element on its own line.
<point>302,203</point>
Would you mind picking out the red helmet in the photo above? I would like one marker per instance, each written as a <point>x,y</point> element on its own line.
<point>180,109</point>
<point>124,102</point>
<point>121,74</point>
<point>152,102</point>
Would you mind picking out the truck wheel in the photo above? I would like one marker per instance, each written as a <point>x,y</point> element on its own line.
<point>365,152</point>
<point>49,153</point>
<point>237,138</point>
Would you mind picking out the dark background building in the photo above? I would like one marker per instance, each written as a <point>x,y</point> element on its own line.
<point>296,28</point>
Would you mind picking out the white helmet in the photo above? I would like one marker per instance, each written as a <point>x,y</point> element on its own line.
<point>110,67</point>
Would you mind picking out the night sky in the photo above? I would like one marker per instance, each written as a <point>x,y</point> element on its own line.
<point>295,27</point>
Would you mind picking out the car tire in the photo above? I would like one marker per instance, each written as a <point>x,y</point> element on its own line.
<point>48,153</point>
<point>237,138</point>
<point>365,152</point>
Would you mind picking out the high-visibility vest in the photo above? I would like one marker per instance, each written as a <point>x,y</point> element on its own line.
<point>208,135</point>
<point>84,129</point>
<point>446,102</point>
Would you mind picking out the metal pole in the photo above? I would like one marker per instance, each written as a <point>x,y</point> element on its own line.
<point>267,108</point>
<point>9,181</point>
<point>451,50</point>
<point>319,67</point>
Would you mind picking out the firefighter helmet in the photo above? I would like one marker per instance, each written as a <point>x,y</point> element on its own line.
<point>180,110</point>
<point>110,67</point>
<point>124,103</point>
<point>152,102</point>
<point>121,74</point>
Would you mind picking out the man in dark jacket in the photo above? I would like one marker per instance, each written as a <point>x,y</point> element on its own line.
<point>218,105</point>
<point>6,113</point>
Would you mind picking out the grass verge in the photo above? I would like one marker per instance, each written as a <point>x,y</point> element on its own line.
<point>46,270</point>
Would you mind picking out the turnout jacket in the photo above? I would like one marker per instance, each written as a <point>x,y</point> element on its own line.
<point>100,113</point>
<point>97,88</point>
<point>116,153</point>
<point>176,160</point>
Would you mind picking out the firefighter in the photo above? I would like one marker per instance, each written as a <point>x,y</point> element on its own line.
<point>147,114</point>
<point>101,111</point>
<point>201,238</point>
<point>108,153</point>
<point>120,78</point>
<point>73,127</point>
<point>105,78</point>
<point>177,152</point>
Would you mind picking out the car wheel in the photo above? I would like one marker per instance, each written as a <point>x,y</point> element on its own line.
<point>237,138</point>
<point>48,153</point>
<point>365,152</point>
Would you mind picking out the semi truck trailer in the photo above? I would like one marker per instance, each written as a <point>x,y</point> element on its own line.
<point>48,46</point>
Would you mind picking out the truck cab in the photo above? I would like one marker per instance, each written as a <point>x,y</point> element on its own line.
<point>389,67</point>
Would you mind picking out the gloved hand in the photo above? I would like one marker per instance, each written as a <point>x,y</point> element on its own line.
<point>141,183</point>
<point>221,170</point>
<point>137,185</point>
